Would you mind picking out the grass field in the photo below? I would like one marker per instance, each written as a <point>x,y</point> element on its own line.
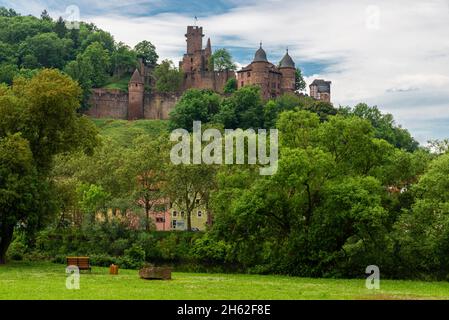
<point>25,280</point>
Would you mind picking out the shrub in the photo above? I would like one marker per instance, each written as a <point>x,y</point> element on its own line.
<point>134,257</point>
<point>17,249</point>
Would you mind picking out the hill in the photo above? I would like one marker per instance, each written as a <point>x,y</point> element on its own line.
<point>125,131</point>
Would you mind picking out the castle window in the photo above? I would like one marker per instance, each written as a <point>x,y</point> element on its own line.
<point>200,214</point>
<point>174,224</point>
<point>248,74</point>
<point>160,219</point>
<point>242,84</point>
<point>175,213</point>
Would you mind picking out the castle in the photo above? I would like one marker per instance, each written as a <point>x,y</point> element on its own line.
<point>139,104</point>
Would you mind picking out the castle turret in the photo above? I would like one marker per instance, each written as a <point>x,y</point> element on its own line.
<point>136,89</point>
<point>288,70</point>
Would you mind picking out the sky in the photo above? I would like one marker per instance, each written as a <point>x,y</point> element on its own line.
<point>389,53</point>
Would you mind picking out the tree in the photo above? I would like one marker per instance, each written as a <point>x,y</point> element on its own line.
<point>102,37</point>
<point>97,58</point>
<point>300,84</point>
<point>38,120</point>
<point>168,77</point>
<point>60,28</point>
<point>221,60</point>
<point>188,187</point>
<point>123,59</point>
<point>147,52</point>
<point>230,86</point>
<point>45,16</point>
<point>146,168</point>
<point>8,72</point>
<point>81,71</point>
<point>17,186</point>
<point>4,12</point>
<point>248,107</point>
<point>194,105</point>
<point>385,127</point>
<point>423,231</point>
<point>47,48</point>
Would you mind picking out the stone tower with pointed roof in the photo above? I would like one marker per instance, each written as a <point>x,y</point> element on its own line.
<point>288,70</point>
<point>273,80</point>
<point>136,90</point>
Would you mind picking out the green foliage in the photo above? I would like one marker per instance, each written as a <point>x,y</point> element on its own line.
<point>230,86</point>
<point>326,211</point>
<point>134,257</point>
<point>44,50</point>
<point>300,83</point>
<point>147,52</point>
<point>38,120</point>
<point>168,77</point>
<point>8,72</point>
<point>384,126</point>
<point>89,55</point>
<point>221,60</point>
<point>194,105</point>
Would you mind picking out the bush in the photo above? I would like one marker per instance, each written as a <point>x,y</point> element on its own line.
<point>134,257</point>
<point>209,250</point>
<point>17,250</point>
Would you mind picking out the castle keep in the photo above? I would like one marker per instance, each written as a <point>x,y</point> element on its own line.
<point>198,73</point>
<point>195,64</point>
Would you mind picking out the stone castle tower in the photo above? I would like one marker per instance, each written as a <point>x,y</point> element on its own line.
<point>195,64</point>
<point>136,90</point>
<point>288,70</point>
<point>196,59</point>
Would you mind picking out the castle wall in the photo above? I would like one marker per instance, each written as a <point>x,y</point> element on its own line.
<point>158,106</point>
<point>212,80</point>
<point>108,103</point>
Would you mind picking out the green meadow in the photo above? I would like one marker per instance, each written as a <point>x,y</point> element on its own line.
<point>31,280</point>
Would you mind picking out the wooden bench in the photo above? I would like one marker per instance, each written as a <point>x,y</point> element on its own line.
<point>81,262</point>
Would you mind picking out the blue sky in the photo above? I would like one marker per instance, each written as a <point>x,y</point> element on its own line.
<point>393,54</point>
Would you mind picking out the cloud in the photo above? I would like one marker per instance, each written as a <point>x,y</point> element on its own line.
<point>393,54</point>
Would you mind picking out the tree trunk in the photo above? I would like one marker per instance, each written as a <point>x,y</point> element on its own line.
<point>189,221</point>
<point>5,240</point>
<point>147,216</point>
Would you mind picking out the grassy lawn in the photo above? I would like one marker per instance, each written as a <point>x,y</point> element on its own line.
<point>24,280</point>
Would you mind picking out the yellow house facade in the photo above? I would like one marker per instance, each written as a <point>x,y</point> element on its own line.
<point>199,219</point>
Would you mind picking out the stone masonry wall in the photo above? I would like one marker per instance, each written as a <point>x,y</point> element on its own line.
<point>112,103</point>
